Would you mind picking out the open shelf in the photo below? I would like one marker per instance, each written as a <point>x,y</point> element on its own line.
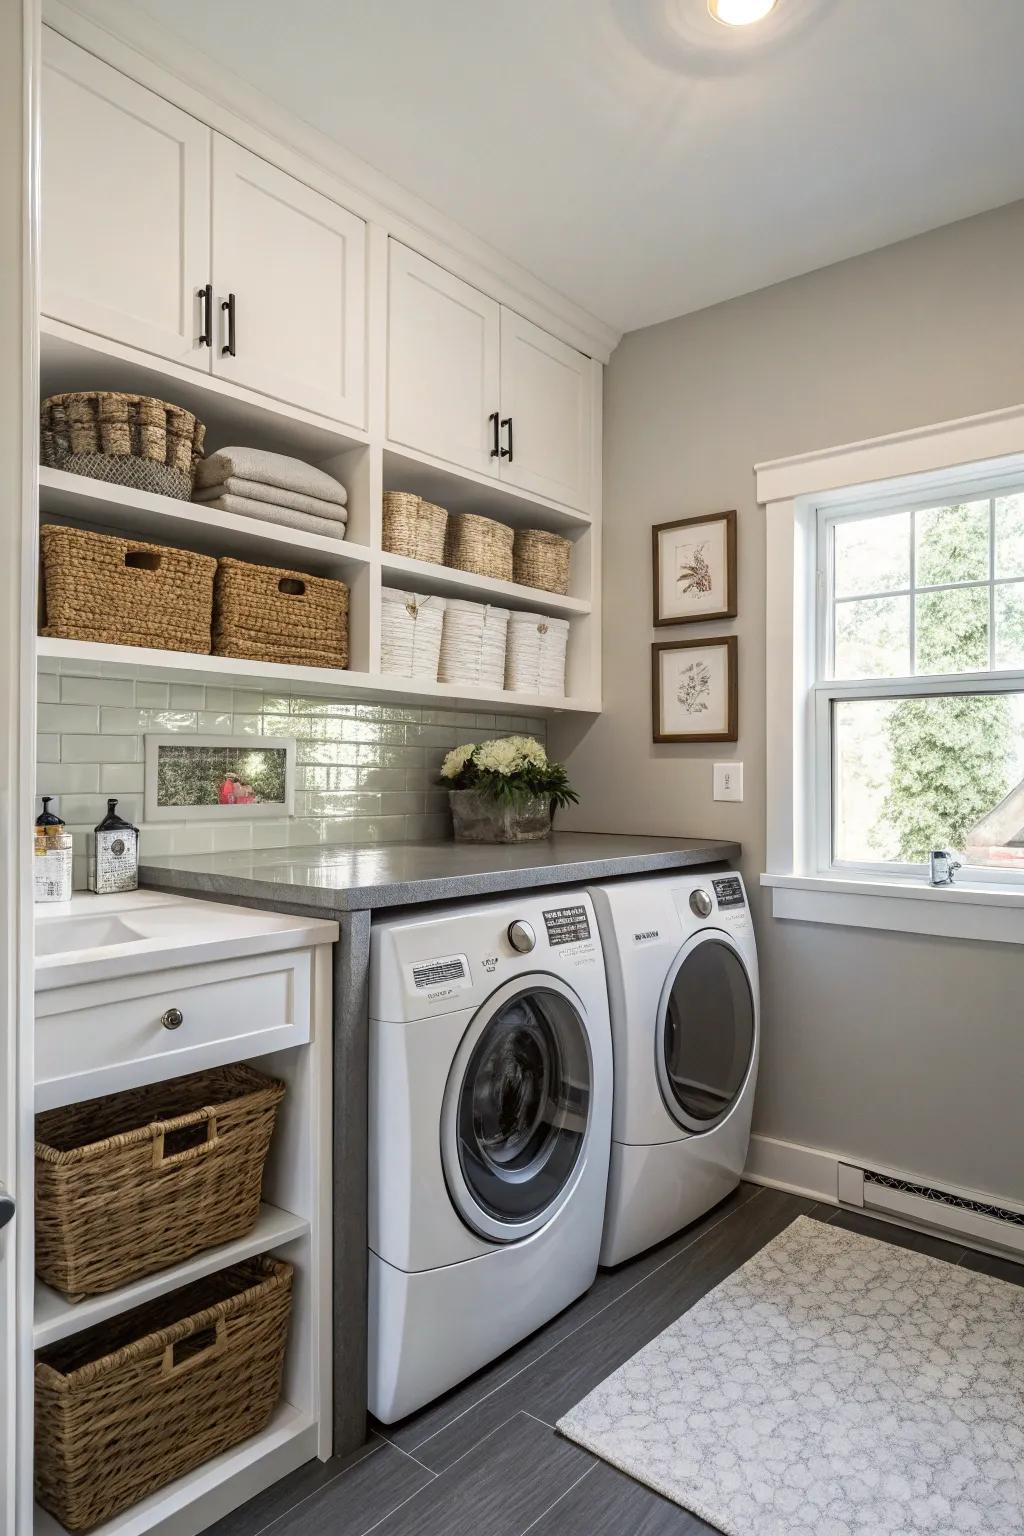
<point>166,520</point>
<point>70,359</point>
<point>442,581</point>
<point>460,490</point>
<point>194,1501</point>
<point>57,1318</point>
<point>316,682</point>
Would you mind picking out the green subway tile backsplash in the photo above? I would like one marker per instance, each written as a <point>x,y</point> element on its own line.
<point>365,773</point>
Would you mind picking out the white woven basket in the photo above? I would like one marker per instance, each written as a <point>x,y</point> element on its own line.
<point>410,633</point>
<point>473,644</point>
<point>535,654</point>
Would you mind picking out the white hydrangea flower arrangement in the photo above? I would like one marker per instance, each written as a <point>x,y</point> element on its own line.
<point>509,768</point>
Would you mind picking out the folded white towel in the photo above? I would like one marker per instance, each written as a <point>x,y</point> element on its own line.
<point>315,506</point>
<point>286,517</point>
<point>269,469</point>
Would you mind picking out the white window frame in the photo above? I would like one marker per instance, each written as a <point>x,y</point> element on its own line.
<point>924,467</point>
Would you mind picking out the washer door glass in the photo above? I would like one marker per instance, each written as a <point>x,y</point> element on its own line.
<point>523,1106</point>
<point>706,1039</point>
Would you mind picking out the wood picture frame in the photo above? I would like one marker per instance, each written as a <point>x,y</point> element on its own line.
<point>718,679</point>
<point>674,543</point>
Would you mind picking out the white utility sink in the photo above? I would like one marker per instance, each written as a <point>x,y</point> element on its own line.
<point>101,937</point>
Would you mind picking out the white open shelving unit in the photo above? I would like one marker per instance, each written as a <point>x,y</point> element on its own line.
<point>367,466</point>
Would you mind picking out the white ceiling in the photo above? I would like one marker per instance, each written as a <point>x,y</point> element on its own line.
<point>637,156</point>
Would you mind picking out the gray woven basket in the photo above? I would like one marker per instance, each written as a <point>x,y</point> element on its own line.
<point>131,440</point>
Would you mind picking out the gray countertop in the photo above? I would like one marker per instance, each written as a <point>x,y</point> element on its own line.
<point>338,878</point>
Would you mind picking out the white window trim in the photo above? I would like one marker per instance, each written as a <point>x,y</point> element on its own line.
<point>985,450</point>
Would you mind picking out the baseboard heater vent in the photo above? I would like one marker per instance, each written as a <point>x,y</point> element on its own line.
<point>958,1212</point>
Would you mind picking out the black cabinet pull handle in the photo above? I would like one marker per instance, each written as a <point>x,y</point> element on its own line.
<point>496,446</point>
<point>6,1208</point>
<point>206,316</point>
<point>506,453</point>
<point>228,349</point>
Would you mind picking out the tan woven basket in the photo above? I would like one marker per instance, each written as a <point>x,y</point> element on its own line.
<point>541,559</point>
<point>413,527</point>
<point>264,614</point>
<point>133,1403</point>
<point>129,1184</point>
<point>128,439</point>
<point>479,545</point>
<point>125,592</point>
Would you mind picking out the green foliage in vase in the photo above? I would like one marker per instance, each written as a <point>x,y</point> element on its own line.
<point>510,768</point>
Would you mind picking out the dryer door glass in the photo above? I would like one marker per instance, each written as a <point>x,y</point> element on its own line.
<point>523,1105</point>
<point>707,1035</point>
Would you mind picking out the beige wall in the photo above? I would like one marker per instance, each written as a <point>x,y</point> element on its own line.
<point>901,1050</point>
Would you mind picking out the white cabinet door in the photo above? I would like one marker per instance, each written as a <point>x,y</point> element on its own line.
<point>296,264</point>
<point>125,207</point>
<point>443,338</point>
<point>545,409</point>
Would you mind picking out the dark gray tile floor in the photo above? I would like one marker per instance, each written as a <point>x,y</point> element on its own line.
<point>485,1460</point>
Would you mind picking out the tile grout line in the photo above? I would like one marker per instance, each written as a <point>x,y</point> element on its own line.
<point>409,1454</point>
<point>563,1495</point>
<point>286,1514</point>
<point>587,1321</point>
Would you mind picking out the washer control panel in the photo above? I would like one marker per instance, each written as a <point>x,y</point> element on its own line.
<point>700,903</point>
<point>728,892</point>
<point>521,936</point>
<point>567,925</point>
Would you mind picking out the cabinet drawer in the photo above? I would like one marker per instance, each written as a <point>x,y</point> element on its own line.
<point>109,1035</point>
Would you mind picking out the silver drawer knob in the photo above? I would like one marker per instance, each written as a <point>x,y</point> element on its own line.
<point>700,903</point>
<point>172,1019</point>
<point>522,937</point>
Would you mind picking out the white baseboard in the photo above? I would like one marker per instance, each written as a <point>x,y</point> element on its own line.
<point>800,1170</point>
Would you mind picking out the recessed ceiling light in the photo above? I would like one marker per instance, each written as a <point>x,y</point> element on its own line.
<point>740,13</point>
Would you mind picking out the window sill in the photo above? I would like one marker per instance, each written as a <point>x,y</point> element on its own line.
<point>961,911</point>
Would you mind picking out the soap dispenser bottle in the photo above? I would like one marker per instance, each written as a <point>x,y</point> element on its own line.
<point>113,855</point>
<point>51,864</point>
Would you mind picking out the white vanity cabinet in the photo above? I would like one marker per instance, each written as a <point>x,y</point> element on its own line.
<point>474,383</point>
<point>125,207</point>
<point>166,236</point>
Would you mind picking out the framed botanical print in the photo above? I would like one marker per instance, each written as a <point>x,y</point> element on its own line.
<point>695,569</point>
<point>218,778</point>
<point>694,690</point>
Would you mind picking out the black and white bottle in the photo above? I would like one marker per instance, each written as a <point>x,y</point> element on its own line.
<point>113,855</point>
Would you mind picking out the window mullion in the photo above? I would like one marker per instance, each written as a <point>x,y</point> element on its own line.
<point>991,583</point>
<point>913,591</point>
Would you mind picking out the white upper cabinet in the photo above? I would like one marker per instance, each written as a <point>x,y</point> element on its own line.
<point>125,207</point>
<point>443,363</point>
<point>477,385</point>
<point>546,413</point>
<point>295,263</point>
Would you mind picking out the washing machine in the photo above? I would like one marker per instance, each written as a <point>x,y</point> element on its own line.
<point>489,1131</point>
<point>683,993</point>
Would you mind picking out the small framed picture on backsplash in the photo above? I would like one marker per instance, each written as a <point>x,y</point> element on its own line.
<point>695,569</point>
<point>694,690</point>
<point>219,778</point>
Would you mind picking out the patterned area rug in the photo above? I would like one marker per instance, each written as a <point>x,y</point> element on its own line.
<point>833,1386</point>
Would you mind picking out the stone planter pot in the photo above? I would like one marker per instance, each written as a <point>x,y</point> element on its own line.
<point>478,819</point>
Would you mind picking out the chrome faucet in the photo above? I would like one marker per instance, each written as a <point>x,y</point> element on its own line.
<point>943,867</point>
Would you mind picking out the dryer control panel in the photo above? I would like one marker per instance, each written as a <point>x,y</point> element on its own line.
<point>728,892</point>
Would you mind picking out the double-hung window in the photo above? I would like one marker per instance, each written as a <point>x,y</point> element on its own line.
<point>918,693</point>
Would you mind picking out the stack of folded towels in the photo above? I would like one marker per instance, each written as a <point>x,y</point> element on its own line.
<point>273,487</point>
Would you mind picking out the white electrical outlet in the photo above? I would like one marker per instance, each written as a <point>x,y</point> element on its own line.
<point>728,781</point>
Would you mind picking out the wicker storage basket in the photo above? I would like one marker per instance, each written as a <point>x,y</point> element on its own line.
<point>479,545</point>
<point>264,614</point>
<point>124,592</point>
<point>473,644</point>
<point>535,654</point>
<point>541,559</point>
<point>135,1402</point>
<point>139,1180</point>
<point>129,439</point>
<point>414,527</point>
<point>410,633</point>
